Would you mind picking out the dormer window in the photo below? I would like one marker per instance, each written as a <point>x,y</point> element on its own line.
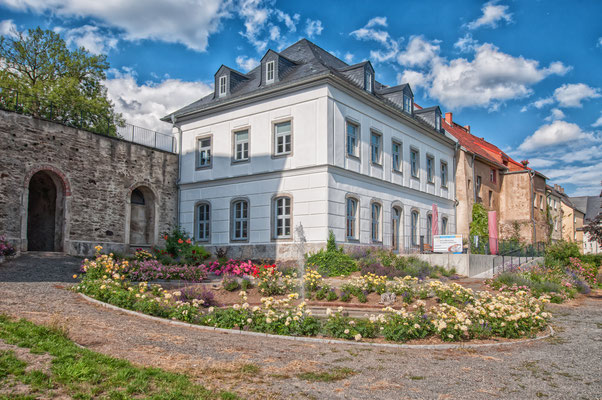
<point>437,123</point>
<point>269,72</point>
<point>223,85</point>
<point>407,104</point>
<point>368,82</point>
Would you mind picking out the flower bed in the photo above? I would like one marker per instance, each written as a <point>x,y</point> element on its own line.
<point>459,314</point>
<point>150,270</point>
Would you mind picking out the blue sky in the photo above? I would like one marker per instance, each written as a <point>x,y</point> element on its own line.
<point>524,74</point>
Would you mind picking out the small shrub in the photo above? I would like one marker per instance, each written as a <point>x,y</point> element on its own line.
<point>230,284</point>
<point>332,295</point>
<point>190,293</point>
<point>345,296</point>
<point>246,284</point>
<point>561,252</point>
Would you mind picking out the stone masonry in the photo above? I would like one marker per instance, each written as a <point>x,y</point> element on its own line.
<point>95,176</point>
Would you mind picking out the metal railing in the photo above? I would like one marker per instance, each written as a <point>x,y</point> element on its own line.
<point>510,260</point>
<point>76,116</point>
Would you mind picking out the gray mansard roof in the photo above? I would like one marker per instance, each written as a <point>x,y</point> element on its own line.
<point>591,206</point>
<point>308,60</point>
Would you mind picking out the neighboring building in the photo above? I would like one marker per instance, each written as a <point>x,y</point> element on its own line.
<point>487,175</point>
<point>554,211</point>
<point>303,144</point>
<point>592,207</point>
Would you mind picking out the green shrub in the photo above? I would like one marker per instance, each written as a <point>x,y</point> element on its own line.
<point>194,255</point>
<point>332,295</point>
<point>230,284</point>
<point>560,252</point>
<point>331,261</point>
<point>245,284</point>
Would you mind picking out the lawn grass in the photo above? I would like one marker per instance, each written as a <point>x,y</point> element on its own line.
<point>84,374</point>
<point>327,376</point>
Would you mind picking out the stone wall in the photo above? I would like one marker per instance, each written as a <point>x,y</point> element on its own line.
<point>94,176</point>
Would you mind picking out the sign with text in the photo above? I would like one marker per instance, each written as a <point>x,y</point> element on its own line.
<point>447,244</point>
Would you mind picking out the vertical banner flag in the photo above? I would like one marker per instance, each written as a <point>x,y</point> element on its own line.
<point>492,216</point>
<point>435,225</point>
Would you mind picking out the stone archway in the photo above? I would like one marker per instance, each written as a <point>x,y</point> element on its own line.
<point>142,216</point>
<point>46,194</point>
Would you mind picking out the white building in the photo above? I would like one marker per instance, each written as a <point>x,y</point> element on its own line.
<point>303,144</point>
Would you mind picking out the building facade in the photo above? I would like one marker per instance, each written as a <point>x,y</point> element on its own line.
<point>591,206</point>
<point>305,144</point>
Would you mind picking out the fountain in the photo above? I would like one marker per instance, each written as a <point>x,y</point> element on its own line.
<point>300,241</point>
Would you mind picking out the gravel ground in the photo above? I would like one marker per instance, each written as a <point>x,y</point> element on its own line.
<point>567,366</point>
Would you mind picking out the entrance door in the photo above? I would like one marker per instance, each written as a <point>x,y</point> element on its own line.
<point>41,213</point>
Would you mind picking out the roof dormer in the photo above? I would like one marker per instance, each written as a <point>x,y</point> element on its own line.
<point>274,67</point>
<point>432,116</point>
<point>226,81</point>
<point>361,74</point>
<point>400,95</point>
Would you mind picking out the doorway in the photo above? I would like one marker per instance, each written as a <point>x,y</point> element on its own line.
<point>45,212</point>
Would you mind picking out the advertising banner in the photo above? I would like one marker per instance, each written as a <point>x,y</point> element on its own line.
<point>447,244</point>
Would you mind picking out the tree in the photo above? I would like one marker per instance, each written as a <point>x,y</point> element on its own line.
<point>594,229</point>
<point>479,227</point>
<point>56,83</point>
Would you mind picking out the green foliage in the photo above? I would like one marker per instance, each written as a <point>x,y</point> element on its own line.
<point>245,284</point>
<point>401,328</point>
<point>331,243</point>
<point>331,261</point>
<point>560,252</point>
<point>594,229</point>
<point>230,284</point>
<point>325,376</point>
<point>39,65</point>
<point>332,296</point>
<point>479,227</point>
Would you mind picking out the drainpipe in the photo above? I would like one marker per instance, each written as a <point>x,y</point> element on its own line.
<point>532,179</point>
<point>474,179</point>
<point>178,192</point>
<point>456,149</point>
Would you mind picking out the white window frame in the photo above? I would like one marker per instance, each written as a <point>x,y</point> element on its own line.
<point>376,221</point>
<point>240,222</point>
<point>430,172</point>
<point>203,225</point>
<point>267,71</point>
<point>281,217</point>
<point>244,153</point>
<point>407,104</point>
<point>444,174</point>
<point>415,227</point>
<point>223,85</point>
<point>355,136</point>
<point>376,147</point>
<point>204,153</point>
<point>351,217</point>
<point>369,81</point>
<point>437,123</point>
<point>415,163</point>
<point>396,166</point>
<point>284,136</point>
<point>444,225</point>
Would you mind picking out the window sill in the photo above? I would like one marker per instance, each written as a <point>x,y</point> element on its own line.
<point>239,240</point>
<point>353,157</point>
<point>431,183</point>
<point>197,168</point>
<point>282,239</point>
<point>415,177</point>
<point>233,162</point>
<point>282,155</point>
<point>376,165</point>
<point>352,240</point>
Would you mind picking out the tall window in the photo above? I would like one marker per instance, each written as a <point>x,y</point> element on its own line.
<point>369,82</point>
<point>430,174</point>
<point>429,229</point>
<point>396,156</point>
<point>407,104</point>
<point>223,85</point>
<point>443,174</point>
<point>437,123</point>
<point>240,220</point>
<point>478,186</point>
<point>269,72</point>
<point>351,214</point>
<point>282,217</point>
<point>241,145</point>
<point>375,147</point>
<point>283,143</point>
<point>444,226</point>
<point>204,152</point>
<point>352,139</point>
<point>376,208</point>
<point>203,222</point>
<point>414,161</point>
<point>395,224</point>
<point>492,175</point>
<point>414,226</point>
<point>490,198</point>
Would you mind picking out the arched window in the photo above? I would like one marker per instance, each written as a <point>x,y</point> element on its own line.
<point>351,217</point>
<point>395,224</point>
<point>240,220</point>
<point>376,221</point>
<point>414,225</point>
<point>137,197</point>
<point>282,217</point>
<point>429,229</point>
<point>203,217</point>
<point>444,226</point>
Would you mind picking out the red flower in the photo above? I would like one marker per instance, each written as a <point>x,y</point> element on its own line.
<point>188,241</point>
<point>180,241</point>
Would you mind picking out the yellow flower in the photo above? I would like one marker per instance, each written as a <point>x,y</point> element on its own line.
<point>74,276</point>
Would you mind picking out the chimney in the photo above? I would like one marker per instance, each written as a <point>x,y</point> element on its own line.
<point>556,187</point>
<point>467,127</point>
<point>449,118</point>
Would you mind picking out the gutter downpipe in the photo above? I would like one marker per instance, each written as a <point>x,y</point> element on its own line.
<point>456,202</point>
<point>178,192</point>
<point>474,181</point>
<point>532,178</point>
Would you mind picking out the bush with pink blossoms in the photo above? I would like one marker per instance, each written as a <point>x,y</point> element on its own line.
<point>233,267</point>
<point>6,249</point>
<point>150,270</point>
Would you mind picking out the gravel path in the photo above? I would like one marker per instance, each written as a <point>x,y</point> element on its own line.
<point>567,366</point>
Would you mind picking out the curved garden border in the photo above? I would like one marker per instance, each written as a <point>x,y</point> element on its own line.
<point>315,340</point>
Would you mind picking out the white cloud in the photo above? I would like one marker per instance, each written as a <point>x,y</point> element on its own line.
<point>414,78</point>
<point>419,52</point>
<point>558,132</point>
<point>586,177</point>
<point>541,162</point>
<point>493,13</point>
<point>8,28</point>
<point>571,95</point>
<point>598,122</point>
<point>255,15</point>
<point>145,104</point>
<point>89,37</point>
<point>379,21</point>
<point>348,57</point>
<point>187,22</point>
<point>599,42</point>
<point>556,114</point>
<point>246,63</point>
<point>369,33</point>
<point>290,22</point>
<point>313,27</point>
<point>489,79</point>
<point>466,43</point>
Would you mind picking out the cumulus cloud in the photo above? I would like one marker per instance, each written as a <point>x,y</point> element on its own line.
<point>379,21</point>
<point>246,63</point>
<point>466,43</point>
<point>372,32</point>
<point>493,13</point>
<point>541,162</point>
<point>599,42</point>
<point>313,27</point>
<point>92,38</point>
<point>144,104</point>
<point>187,22</point>
<point>419,52</point>
<point>571,95</point>
<point>290,22</point>
<point>556,114</point>
<point>558,132</point>
<point>586,177</point>
<point>348,57</point>
<point>598,123</point>
<point>8,28</point>
<point>414,78</point>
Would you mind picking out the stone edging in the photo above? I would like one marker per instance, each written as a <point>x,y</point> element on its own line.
<point>315,340</point>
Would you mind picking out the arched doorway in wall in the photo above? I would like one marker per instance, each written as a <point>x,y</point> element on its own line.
<point>45,212</point>
<point>142,216</point>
